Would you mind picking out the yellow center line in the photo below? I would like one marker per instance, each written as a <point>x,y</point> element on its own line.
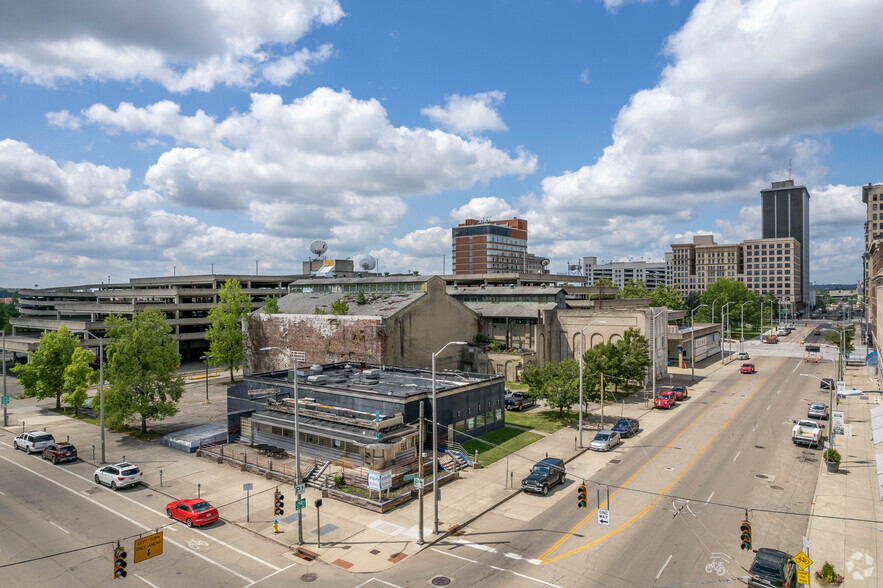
<point>544,557</point>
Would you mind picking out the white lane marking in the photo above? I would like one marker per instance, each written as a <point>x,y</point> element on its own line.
<point>535,562</point>
<point>376,580</point>
<point>663,567</point>
<point>754,429</point>
<point>476,545</point>
<point>124,517</point>
<point>146,581</point>
<point>768,406</point>
<point>523,576</point>
<point>737,456</point>
<point>163,514</point>
<point>3,493</point>
<point>452,555</point>
<point>54,525</point>
<point>270,575</point>
<point>709,498</point>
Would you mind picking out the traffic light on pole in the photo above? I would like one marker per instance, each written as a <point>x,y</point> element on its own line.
<point>745,537</point>
<point>119,562</point>
<point>583,501</point>
<point>278,505</point>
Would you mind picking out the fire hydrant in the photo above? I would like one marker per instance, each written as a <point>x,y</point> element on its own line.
<point>275,526</point>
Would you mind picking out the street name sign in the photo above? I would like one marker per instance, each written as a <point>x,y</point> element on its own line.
<point>299,504</point>
<point>409,477</point>
<point>802,560</point>
<point>148,547</point>
<point>604,517</point>
<point>4,399</point>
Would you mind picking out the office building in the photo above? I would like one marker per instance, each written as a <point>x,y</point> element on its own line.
<point>785,213</point>
<point>489,247</point>
<point>698,264</point>
<point>872,197</point>
<point>652,273</point>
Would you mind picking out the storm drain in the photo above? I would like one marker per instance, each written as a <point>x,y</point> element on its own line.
<point>440,581</point>
<point>615,461</point>
<point>309,578</point>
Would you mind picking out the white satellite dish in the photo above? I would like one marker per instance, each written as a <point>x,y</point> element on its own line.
<point>318,247</point>
<point>367,262</point>
<point>545,262</point>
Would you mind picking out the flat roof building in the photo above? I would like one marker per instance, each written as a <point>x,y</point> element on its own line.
<point>785,213</point>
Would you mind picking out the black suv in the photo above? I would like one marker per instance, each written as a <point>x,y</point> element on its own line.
<point>772,567</point>
<point>543,475</point>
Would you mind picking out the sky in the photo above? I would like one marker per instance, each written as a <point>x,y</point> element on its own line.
<point>188,137</point>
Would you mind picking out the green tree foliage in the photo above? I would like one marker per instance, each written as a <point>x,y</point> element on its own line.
<point>620,362</point>
<point>340,307</point>
<point>271,305</point>
<point>719,294</point>
<point>77,377</point>
<point>834,338</point>
<point>691,301</point>
<point>557,384</point>
<point>823,299</point>
<point>635,289</point>
<point>360,298</point>
<point>666,296</point>
<point>43,375</point>
<point>141,366</point>
<point>8,311</point>
<point>604,283</point>
<point>225,335</point>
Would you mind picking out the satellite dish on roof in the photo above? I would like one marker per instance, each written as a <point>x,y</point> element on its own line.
<point>318,247</point>
<point>545,262</point>
<point>367,262</point>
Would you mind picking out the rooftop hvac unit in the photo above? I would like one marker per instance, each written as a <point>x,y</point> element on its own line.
<point>320,379</point>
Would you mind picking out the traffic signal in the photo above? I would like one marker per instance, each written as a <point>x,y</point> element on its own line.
<point>583,501</point>
<point>278,505</point>
<point>746,535</point>
<point>119,562</point>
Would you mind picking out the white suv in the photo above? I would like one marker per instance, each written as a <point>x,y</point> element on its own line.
<point>119,475</point>
<point>33,441</point>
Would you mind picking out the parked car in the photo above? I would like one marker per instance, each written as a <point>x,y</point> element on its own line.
<point>56,452</point>
<point>518,401</point>
<point>817,410</point>
<point>747,368</point>
<point>33,441</point>
<point>627,427</point>
<point>543,475</point>
<point>807,432</point>
<point>680,392</point>
<point>826,384</point>
<point>742,356</point>
<point>665,400</point>
<point>605,441</point>
<point>192,512</point>
<point>119,475</point>
<point>772,567</point>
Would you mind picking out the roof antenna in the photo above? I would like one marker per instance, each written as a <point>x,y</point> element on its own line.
<point>789,168</point>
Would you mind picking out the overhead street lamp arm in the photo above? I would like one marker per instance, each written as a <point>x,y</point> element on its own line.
<point>581,352</point>
<point>435,437</point>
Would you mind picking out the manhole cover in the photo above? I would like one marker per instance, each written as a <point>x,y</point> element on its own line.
<point>441,581</point>
<point>615,461</point>
<point>309,578</point>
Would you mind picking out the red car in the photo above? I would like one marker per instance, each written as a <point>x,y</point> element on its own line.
<point>680,392</point>
<point>56,452</point>
<point>747,368</point>
<point>192,511</point>
<point>665,400</point>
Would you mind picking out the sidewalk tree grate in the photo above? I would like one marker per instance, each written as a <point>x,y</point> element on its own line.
<point>309,578</point>
<point>441,581</point>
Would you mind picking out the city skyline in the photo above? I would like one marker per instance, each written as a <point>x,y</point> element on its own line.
<point>134,144</point>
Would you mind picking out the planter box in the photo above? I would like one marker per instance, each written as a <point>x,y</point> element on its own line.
<point>833,467</point>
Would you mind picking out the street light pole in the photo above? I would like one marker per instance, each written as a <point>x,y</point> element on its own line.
<point>580,427</point>
<point>653,349</point>
<point>3,335</point>
<point>205,358</point>
<point>693,342</point>
<point>742,326</point>
<point>435,440</point>
<point>100,386</point>
<point>723,309</point>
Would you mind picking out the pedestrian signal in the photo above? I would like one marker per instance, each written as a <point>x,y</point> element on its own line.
<point>119,562</point>
<point>278,505</point>
<point>745,537</point>
<point>583,501</point>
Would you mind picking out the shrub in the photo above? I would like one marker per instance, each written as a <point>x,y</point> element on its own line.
<point>827,574</point>
<point>831,455</point>
<point>360,298</point>
<point>338,480</point>
<point>495,347</point>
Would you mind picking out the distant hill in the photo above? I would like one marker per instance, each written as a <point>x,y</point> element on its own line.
<point>832,287</point>
<point>8,292</point>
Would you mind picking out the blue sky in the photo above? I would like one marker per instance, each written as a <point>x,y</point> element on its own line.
<point>174,136</point>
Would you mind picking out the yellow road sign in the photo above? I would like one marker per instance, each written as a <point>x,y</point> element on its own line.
<point>802,560</point>
<point>148,547</point>
<point>803,577</point>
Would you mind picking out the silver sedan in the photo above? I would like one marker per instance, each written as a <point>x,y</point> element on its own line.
<point>817,410</point>
<point>605,441</point>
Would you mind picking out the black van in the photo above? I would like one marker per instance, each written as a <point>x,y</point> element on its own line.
<point>543,475</point>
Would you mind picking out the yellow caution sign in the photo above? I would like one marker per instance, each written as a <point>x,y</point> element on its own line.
<point>802,560</point>
<point>148,547</point>
<point>803,577</point>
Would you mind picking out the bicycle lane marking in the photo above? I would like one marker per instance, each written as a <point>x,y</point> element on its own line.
<point>124,517</point>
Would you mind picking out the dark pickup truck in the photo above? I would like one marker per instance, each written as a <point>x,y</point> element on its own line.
<point>518,401</point>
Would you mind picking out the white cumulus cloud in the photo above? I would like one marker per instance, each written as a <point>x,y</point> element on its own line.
<point>468,115</point>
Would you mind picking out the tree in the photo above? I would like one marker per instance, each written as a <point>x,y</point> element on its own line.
<point>635,289</point>
<point>836,337</point>
<point>43,375</point>
<point>691,301</point>
<point>718,294</point>
<point>603,283</point>
<point>271,305</point>
<point>634,354</point>
<point>77,376</point>
<point>666,296</point>
<point>340,307</point>
<point>225,335</point>
<point>142,368</point>
<point>360,298</point>
<point>556,384</point>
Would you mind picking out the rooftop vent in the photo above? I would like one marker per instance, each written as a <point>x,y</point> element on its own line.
<point>320,379</point>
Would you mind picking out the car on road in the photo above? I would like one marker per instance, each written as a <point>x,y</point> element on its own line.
<point>817,410</point>
<point>747,368</point>
<point>518,401</point>
<point>772,567</point>
<point>119,475</point>
<point>807,432</point>
<point>543,475</point>
<point>58,452</point>
<point>192,512</point>
<point>605,441</point>
<point>33,441</point>
<point>817,331</point>
<point>742,356</point>
<point>665,400</point>
<point>826,384</point>
<point>680,392</point>
<point>627,427</point>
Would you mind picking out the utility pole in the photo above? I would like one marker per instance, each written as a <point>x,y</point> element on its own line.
<point>5,418</point>
<point>420,475</point>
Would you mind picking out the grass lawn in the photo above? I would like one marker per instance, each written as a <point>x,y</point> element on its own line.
<point>131,431</point>
<point>516,386</point>
<point>547,421</point>
<point>508,438</point>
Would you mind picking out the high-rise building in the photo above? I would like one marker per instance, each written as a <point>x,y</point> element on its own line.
<point>652,273</point>
<point>696,265</point>
<point>872,196</point>
<point>490,247</point>
<point>785,213</point>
